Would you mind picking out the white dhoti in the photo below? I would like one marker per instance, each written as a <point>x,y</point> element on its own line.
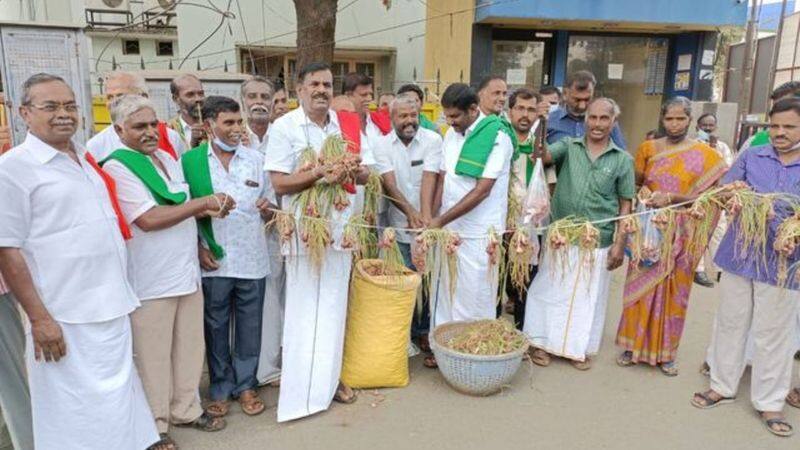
<point>475,294</point>
<point>93,397</point>
<point>269,362</point>
<point>566,305</point>
<point>313,333</point>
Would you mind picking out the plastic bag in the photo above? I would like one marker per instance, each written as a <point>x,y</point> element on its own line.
<point>536,209</point>
<point>647,245</point>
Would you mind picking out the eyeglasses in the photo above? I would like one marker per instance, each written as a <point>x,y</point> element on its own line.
<point>51,107</point>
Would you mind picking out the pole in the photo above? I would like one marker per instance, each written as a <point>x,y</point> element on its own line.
<point>775,52</point>
<point>745,82</point>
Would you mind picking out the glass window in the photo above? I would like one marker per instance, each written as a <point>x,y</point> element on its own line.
<point>164,48</point>
<point>130,46</point>
<point>367,69</point>
<point>628,69</point>
<point>339,69</point>
<point>520,62</point>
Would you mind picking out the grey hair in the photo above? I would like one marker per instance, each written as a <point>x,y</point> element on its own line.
<point>615,111</point>
<point>139,84</point>
<point>125,106</point>
<point>257,79</point>
<point>35,79</point>
<point>678,101</point>
<point>402,100</point>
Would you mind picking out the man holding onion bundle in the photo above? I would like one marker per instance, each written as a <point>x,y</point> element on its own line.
<point>566,302</point>
<point>316,294</point>
<point>753,296</point>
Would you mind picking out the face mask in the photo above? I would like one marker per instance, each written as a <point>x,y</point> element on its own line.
<point>703,136</point>
<point>225,147</point>
<point>553,108</point>
<point>789,150</point>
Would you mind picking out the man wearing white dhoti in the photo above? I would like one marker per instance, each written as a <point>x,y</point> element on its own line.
<point>63,256</point>
<point>316,296</point>
<point>473,193</point>
<point>566,303</point>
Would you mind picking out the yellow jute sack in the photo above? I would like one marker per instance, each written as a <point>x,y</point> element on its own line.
<point>378,324</point>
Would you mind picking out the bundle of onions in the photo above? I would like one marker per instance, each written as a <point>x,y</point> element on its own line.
<point>521,252</point>
<point>703,214</point>
<point>571,232</point>
<point>786,240</point>
<point>752,212</point>
<point>373,191</point>
<point>359,237</point>
<point>393,263</point>
<point>432,247</point>
<point>316,235</point>
<point>515,196</point>
<point>284,223</point>
<point>494,248</point>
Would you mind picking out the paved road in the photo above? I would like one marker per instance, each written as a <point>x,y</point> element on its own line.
<point>556,407</point>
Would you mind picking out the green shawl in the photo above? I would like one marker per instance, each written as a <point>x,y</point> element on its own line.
<point>143,168</point>
<point>424,122</point>
<point>760,138</point>
<point>526,148</point>
<point>480,143</point>
<point>198,177</point>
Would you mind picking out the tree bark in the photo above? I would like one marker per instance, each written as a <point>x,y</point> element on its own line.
<point>316,30</point>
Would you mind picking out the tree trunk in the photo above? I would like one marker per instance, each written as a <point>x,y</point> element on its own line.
<point>316,30</point>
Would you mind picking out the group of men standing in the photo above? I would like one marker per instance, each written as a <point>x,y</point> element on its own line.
<point>145,253</point>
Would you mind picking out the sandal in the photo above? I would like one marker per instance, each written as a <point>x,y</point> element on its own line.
<point>206,422</point>
<point>706,402</point>
<point>218,408</point>
<point>430,362</point>
<point>669,369</point>
<point>793,399</point>
<point>625,359</point>
<point>342,395</point>
<point>165,443</point>
<point>424,344</point>
<point>250,403</point>
<point>774,426</point>
<point>582,365</point>
<point>540,357</point>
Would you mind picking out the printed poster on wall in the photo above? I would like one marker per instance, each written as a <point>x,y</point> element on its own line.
<point>682,81</point>
<point>516,76</point>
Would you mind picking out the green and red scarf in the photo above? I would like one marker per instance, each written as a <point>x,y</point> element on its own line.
<point>142,166</point>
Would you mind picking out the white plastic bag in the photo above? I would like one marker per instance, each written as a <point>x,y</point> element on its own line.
<point>536,209</point>
<point>651,236</point>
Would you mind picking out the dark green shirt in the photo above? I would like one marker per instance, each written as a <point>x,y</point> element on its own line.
<point>591,189</point>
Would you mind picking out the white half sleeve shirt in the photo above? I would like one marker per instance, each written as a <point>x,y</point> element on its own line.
<point>423,154</point>
<point>162,263</point>
<point>59,214</point>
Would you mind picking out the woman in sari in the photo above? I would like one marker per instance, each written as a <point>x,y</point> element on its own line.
<point>676,169</point>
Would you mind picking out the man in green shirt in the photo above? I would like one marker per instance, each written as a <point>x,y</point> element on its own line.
<point>566,302</point>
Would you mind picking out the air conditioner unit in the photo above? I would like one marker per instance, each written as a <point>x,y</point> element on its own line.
<point>108,5</point>
<point>156,6</point>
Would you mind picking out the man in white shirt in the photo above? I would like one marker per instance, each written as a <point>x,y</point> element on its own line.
<point>116,85</point>
<point>233,256</point>
<point>257,94</point>
<point>188,95</point>
<point>408,160</point>
<point>163,267</point>
<point>63,256</point>
<point>472,202</point>
<point>316,295</point>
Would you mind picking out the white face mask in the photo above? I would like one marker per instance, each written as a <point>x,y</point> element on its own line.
<point>226,147</point>
<point>703,136</point>
<point>788,150</point>
<point>553,108</point>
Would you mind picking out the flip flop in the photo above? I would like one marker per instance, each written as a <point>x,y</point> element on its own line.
<point>793,399</point>
<point>669,369</point>
<point>165,442</point>
<point>218,408</point>
<point>710,402</point>
<point>771,423</point>
<point>206,422</point>
<point>625,359</point>
<point>251,404</point>
<point>430,362</point>
<point>343,398</point>
<point>540,357</point>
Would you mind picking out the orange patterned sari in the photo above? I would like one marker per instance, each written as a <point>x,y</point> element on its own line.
<point>656,298</point>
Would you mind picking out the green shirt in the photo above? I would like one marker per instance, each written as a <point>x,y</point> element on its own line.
<point>591,189</point>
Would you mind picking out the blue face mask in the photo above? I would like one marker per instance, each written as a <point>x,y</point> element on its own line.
<point>225,147</point>
<point>703,136</point>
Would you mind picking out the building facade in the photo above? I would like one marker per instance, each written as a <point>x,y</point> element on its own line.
<point>641,52</point>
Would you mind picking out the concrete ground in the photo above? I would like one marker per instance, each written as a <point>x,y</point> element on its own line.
<point>557,407</point>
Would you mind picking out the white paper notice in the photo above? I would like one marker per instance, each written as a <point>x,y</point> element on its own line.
<point>615,71</point>
<point>708,58</point>
<point>684,62</point>
<point>516,76</point>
